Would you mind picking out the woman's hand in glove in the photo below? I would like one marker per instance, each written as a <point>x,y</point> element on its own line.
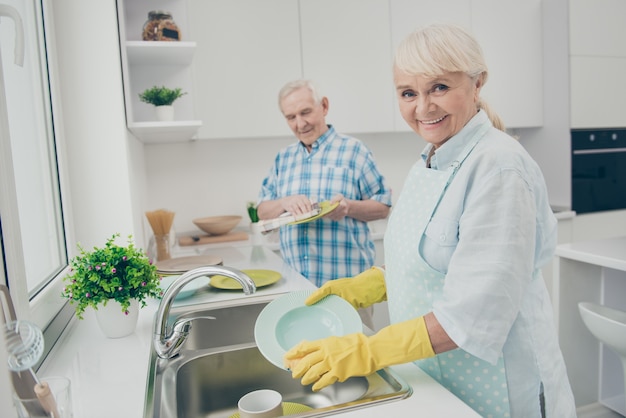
<point>326,361</point>
<point>361,291</point>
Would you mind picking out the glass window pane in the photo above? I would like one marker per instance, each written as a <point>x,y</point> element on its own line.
<point>33,148</point>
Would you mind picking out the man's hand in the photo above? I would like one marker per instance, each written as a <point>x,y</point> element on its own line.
<point>362,210</point>
<point>296,204</point>
<point>341,211</point>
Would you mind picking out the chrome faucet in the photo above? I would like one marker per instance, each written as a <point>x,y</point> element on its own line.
<point>168,344</point>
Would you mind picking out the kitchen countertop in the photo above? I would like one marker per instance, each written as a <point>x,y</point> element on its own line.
<point>109,375</point>
<point>562,212</point>
<point>269,240</point>
<point>610,252</point>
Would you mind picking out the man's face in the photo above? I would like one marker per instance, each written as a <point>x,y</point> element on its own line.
<point>306,118</point>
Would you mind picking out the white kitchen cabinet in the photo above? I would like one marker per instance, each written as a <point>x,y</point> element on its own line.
<point>510,33</point>
<point>146,64</point>
<point>590,271</point>
<point>597,28</point>
<point>597,63</point>
<point>247,50</point>
<point>346,50</point>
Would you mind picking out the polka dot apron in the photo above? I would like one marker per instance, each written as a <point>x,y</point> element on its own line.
<point>412,286</point>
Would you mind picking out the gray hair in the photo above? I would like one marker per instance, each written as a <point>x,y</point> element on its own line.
<point>294,85</point>
<point>441,48</point>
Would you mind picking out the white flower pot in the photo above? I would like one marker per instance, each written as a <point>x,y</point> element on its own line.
<point>113,322</point>
<point>256,234</point>
<point>165,113</point>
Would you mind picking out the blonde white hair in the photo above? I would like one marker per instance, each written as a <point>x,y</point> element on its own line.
<point>444,48</point>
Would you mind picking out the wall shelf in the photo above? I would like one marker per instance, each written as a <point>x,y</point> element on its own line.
<point>155,63</point>
<point>160,53</point>
<point>165,132</point>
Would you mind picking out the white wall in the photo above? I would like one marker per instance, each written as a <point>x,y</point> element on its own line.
<point>218,177</point>
<point>550,145</point>
<point>99,151</point>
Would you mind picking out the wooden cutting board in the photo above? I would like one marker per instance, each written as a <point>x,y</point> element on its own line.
<point>201,239</point>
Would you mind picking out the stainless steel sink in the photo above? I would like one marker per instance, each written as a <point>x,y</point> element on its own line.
<point>220,362</point>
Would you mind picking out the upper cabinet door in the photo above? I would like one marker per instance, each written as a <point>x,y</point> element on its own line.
<point>597,28</point>
<point>510,33</point>
<point>598,63</point>
<point>346,51</point>
<point>246,51</point>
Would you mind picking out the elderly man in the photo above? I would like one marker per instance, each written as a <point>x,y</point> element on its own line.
<point>323,165</point>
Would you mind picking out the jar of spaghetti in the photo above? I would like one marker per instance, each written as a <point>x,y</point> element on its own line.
<point>160,26</point>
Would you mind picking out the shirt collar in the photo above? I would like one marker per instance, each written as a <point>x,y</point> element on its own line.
<point>450,150</point>
<point>321,140</point>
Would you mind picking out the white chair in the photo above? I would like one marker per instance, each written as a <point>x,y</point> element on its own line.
<point>608,325</point>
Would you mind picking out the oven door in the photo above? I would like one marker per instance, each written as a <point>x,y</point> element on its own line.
<point>598,170</point>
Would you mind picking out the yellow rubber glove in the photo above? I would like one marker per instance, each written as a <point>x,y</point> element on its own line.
<point>333,359</point>
<point>362,290</point>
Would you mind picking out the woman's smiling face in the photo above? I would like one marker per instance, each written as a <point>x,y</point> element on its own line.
<point>437,108</point>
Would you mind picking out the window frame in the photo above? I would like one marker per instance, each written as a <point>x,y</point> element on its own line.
<point>47,309</point>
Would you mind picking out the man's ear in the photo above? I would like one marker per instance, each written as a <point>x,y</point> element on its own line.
<point>325,105</point>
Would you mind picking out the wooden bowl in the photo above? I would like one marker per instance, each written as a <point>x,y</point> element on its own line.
<point>217,225</point>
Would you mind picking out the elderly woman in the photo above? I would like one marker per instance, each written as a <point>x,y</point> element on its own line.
<point>464,249</point>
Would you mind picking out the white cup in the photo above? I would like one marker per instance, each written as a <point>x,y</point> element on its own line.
<point>264,403</point>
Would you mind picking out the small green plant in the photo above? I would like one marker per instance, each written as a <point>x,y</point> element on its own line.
<point>111,272</point>
<point>252,213</point>
<point>161,96</point>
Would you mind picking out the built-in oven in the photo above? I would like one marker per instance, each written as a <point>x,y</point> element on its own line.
<point>598,170</point>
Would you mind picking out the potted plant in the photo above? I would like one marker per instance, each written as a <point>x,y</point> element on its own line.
<point>252,212</point>
<point>256,233</point>
<point>162,98</point>
<point>113,280</point>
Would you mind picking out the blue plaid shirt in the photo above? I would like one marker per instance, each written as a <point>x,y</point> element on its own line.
<point>324,249</point>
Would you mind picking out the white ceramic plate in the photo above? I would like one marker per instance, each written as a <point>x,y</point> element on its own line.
<point>188,290</point>
<point>286,321</point>
<point>181,265</point>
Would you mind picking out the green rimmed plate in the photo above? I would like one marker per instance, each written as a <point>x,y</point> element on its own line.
<point>186,292</point>
<point>289,408</point>
<point>180,265</point>
<point>325,208</point>
<point>259,277</point>
<point>286,321</point>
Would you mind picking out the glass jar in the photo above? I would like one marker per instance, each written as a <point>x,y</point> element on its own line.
<point>162,247</point>
<point>160,26</point>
